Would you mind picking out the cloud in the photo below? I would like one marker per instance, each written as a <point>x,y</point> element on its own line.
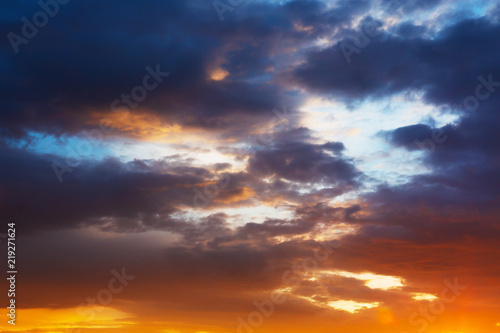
<point>199,268</point>
<point>305,163</point>
<point>382,67</point>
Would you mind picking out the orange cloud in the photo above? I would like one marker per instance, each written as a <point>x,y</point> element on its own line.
<point>68,320</point>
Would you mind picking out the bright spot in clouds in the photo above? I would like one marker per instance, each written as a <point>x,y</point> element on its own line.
<point>373,281</point>
<point>424,297</point>
<point>219,74</point>
<point>351,306</point>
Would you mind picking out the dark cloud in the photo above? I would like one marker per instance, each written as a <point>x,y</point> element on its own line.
<point>306,163</point>
<point>145,195</point>
<point>411,137</point>
<point>389,65</point>
<point>406,7</point>
<point>207,261</point>
<point>58,80</point>
<point>408,30</point>
<point>463,157</point>
<point>99,190</point>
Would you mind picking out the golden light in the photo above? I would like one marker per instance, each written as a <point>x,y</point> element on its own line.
<point>351,306</point>
<point>240,195</point>
<point>137,124</point>
<point>62,319</point>
<point>423,297</point>
<point>219,74</point>
<point>373,281</point>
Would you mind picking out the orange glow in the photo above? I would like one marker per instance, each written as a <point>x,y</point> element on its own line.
<point>137,124</point>
<point>229,197</point>
<point>72,318</point>
<point>351,306</point>
<point>219,74</point>
<point>385,316</point>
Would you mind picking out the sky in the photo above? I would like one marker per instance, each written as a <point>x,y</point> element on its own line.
<point>200,166</point>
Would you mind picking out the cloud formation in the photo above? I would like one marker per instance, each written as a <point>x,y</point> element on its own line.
<point>261,147</point>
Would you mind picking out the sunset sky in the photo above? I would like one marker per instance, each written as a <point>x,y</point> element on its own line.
<point>267,166</point>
